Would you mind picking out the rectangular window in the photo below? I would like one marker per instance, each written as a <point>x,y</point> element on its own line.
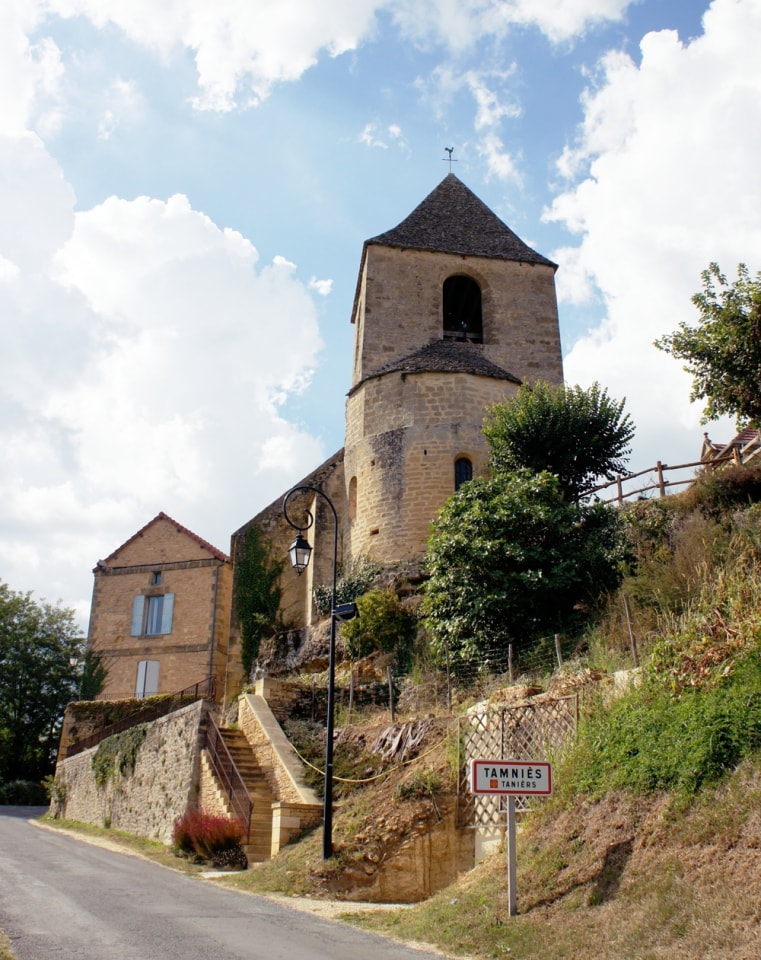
<point>152,616</point>
<point>147,678</point>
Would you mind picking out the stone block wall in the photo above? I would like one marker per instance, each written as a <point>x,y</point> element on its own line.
<point>404,433</point>
<point>163,785</point>
<point>273,751</point>
<point>400,309</point>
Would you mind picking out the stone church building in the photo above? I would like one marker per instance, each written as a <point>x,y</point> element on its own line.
<point>452,312</point>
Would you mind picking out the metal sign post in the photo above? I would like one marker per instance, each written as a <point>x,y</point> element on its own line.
<point>511,778</point>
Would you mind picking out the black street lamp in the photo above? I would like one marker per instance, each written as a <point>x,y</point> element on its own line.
<point>300,552</point>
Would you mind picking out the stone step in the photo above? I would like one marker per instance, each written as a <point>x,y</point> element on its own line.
<point>259,840</point>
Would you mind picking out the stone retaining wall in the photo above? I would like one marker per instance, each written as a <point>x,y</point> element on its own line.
<point>164,783</point>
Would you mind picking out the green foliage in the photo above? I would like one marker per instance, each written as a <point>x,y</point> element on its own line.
<point>94,676</point>
<point>577,435</point>
<point>116,755</point>
<point>697,712</point>
<point>383,624</point>
<point>39,650</point>
<point>422,784</point>
<point>257,592</point>
<point>654,740</point>
<point>512,560</point>
<point>55,788</point>
<point>23,793</point>
<point>718,491</point>
<point>352,763</point>
<point>673,551</point>
<point>350,584</point>
<point>723,352</point>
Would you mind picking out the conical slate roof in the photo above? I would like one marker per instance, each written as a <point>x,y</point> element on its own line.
<point>452,219</point>
<point>443,356</point>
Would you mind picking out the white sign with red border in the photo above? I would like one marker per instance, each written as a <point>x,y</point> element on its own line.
<point>512,778</point>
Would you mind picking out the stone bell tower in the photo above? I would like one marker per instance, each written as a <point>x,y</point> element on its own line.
<point>452,312</point>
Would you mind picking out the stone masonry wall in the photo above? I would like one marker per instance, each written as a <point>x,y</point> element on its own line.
<point>404,434</point>
<point>163,785</point>
<point>400,310</point>
<point>273,751</point>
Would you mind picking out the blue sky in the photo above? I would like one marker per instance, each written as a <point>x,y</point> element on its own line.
<point>186,188</point>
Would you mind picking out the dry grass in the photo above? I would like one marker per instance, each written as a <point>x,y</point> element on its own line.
<point>5,948</point>
<point>615,880</point>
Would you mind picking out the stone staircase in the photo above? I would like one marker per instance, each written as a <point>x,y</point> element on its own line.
<point>259,843</point>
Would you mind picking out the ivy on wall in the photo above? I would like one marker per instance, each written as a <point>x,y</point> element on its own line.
<point>257,592</point>
<point>115,756</point>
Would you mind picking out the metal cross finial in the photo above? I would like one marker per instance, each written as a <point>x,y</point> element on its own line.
<point>449,158</point>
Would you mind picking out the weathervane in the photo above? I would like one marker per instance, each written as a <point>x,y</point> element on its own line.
<point>449,158</point>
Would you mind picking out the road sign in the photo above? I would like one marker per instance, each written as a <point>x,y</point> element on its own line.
<point>512,778</point>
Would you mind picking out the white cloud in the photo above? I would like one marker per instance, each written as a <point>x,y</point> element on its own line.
<point>30,73</point>
<point>459,23</point>
<point>323,287</point>
<point>667,167</point>
<point>146,354</point>
<point>242,50</point>
<point>370,138</point>
<point>499,162</point>
<point>123,105</point>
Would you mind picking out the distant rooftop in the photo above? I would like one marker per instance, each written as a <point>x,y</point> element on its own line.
<point>452,219</point>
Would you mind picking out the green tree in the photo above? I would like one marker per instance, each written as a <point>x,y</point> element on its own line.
<point>577,435</point>
<point>39,653</point>
<point>383,624</point>
<point>257,592</point>
<point>723,351</point>
<point>512,560</point>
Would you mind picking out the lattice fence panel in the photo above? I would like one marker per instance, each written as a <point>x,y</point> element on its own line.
<point>530,731</point>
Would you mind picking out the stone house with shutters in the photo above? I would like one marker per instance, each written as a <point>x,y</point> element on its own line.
<point>160,615</point>
<point>452,312</point>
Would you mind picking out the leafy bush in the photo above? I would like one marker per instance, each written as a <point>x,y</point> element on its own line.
<point>383,624</point>
<point>23,793</point>
<point>351,583</point>
<point>511,560</point>
<point>208,836</point>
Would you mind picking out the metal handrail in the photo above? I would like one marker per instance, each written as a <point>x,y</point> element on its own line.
<point>205,689</point>
<point>228,774</point>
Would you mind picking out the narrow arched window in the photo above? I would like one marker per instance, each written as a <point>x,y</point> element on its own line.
<point>462,309</point>
<point>353,498</point>
<point>463,471</point>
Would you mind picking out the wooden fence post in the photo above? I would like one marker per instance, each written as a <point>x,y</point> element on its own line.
<point>661,481</point>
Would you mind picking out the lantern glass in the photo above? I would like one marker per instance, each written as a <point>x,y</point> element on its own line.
<point>299,552</point>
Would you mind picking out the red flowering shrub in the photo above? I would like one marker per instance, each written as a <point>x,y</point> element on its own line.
<point>206,835</point>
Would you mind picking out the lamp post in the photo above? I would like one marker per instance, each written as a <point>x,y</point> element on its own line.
<point>300,552</point>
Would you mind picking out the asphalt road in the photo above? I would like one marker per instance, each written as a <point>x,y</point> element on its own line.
<point>62,899</point>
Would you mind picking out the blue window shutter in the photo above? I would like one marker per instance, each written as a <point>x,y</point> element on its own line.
<point>140,685</point>
<point>137,616</point>
<point>166,613</point>
<point>151,678</point>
